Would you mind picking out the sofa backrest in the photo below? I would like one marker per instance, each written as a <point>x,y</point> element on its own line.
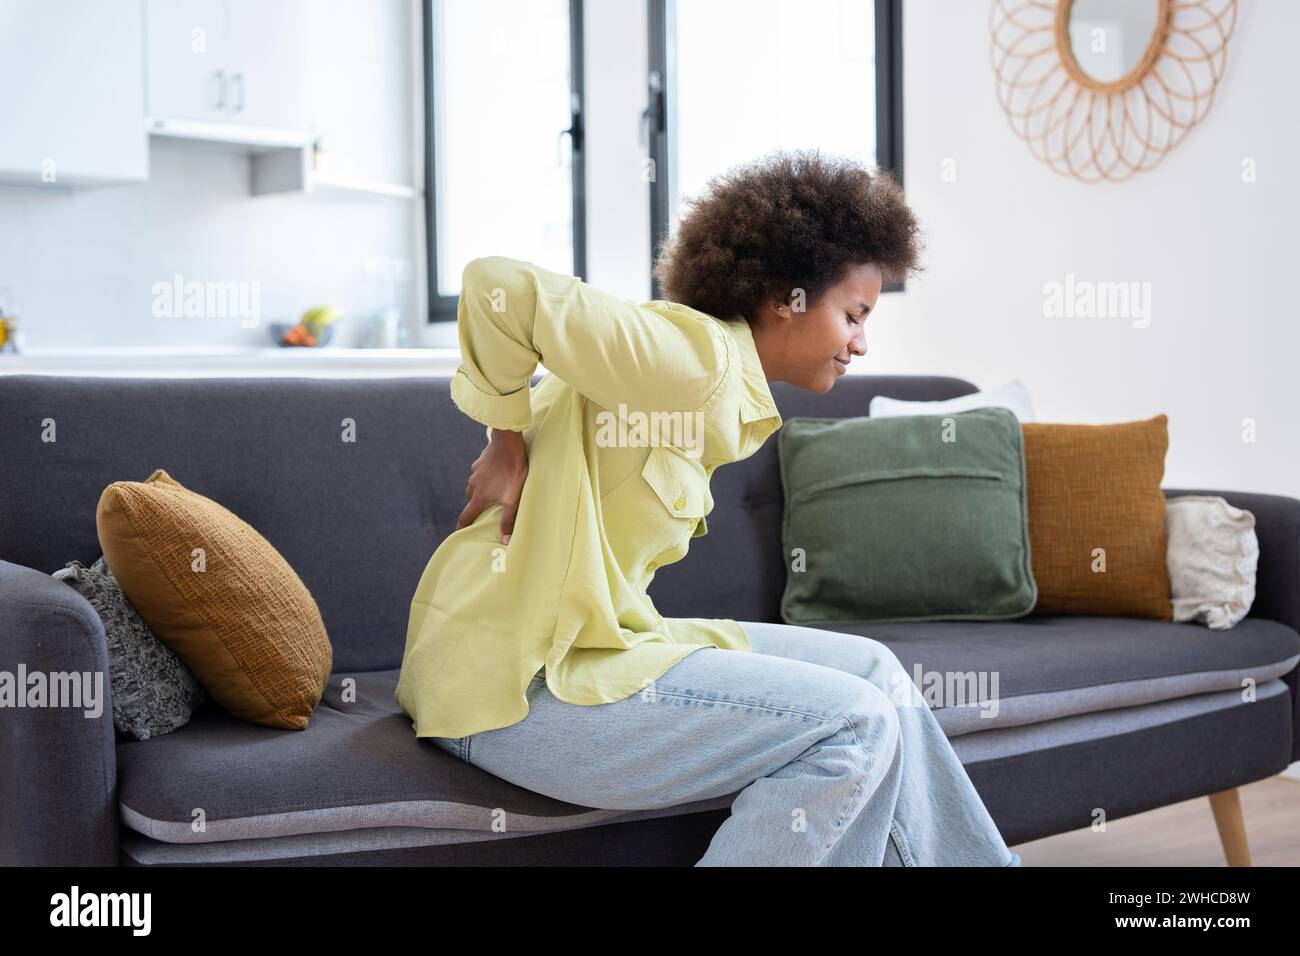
<point>357,520</point>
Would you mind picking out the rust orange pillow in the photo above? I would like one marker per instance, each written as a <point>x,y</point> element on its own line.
<point>1097,517</point>
<point>218,594</point>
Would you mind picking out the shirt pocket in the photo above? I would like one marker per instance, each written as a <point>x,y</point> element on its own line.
<point>681,485</point>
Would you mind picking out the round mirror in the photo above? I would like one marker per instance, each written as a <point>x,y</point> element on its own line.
<point>1114,41</point>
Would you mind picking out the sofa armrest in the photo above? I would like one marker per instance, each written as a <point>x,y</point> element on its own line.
<point>58,764</point>
<point>1277,525</point>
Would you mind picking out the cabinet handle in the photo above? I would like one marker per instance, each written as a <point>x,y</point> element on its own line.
<point>221,89</point>
<point>238,78</point>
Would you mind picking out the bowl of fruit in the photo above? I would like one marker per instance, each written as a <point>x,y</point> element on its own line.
<point>314,328</point>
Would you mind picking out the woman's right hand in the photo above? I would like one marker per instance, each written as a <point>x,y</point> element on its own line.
<point>497,475</point>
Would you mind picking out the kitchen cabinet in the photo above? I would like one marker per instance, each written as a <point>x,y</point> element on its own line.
<point>189,70</point>
<point>72,110</point>
<point>227,61</point>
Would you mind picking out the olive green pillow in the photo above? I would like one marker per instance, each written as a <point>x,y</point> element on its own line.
<point>914,518</point>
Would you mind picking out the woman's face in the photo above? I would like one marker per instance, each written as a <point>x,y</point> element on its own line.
<point>811,349</point>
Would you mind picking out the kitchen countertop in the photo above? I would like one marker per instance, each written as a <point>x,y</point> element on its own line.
<point>233,360</point>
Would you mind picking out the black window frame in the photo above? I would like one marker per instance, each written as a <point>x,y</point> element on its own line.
<point>442,308</point>
<point>660,117</point>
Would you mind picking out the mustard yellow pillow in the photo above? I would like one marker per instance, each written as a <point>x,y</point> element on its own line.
<point>1097,518</point>
<point>218,594</point>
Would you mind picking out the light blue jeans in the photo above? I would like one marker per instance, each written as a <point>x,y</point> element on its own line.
<point>835,754</point>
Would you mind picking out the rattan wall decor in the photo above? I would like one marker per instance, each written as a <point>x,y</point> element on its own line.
<point>1090,110</point>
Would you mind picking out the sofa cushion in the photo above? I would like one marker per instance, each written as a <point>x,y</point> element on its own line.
<point>1013,395</point>
<point>220,595</point>
<point>153,692</point>
<point>1213,556</point>
<point>356,766</point>
<point>1097,518</point>
<point>911,518</point>
<point>1271,726</point>
<point>1046,668</point>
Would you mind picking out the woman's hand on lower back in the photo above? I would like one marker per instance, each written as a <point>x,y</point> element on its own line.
<point>497,475</point>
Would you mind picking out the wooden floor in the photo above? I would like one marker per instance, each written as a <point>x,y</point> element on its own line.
<point>1183,834</point>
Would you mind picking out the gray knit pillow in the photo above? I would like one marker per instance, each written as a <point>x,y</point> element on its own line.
<point>153,691</point>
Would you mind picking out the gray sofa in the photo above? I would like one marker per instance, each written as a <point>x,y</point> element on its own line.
<point>1095,712</point>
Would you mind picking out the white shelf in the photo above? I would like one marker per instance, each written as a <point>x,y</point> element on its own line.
<point>327,184</point>
<point>281,159</point>
<point>245,138</point>
<point>278,157</point>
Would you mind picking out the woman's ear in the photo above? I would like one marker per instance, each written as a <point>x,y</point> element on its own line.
<point>785,301</point>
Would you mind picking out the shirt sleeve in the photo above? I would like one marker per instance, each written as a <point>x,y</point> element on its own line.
<point>514,314</point>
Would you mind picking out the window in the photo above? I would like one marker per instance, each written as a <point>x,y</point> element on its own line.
<point>503,95</point>
<point>731,80</point>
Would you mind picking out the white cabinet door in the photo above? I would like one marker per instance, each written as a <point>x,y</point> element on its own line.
<point>189,73</point>
<point>268,70</point>
<point>72,92</point>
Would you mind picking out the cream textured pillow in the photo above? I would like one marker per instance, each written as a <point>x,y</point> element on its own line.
<point>1012,395</point>
<point>218,594</point>
<point>1212,554</point>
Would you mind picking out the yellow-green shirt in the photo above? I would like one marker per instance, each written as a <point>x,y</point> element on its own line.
<point>608,498</point>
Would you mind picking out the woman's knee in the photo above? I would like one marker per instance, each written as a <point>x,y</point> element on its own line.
<point>872,718</point>
<point>882,668</point>
<point>881,655</point>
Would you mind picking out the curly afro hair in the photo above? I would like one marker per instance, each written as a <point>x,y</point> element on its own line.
<point>785,221</point>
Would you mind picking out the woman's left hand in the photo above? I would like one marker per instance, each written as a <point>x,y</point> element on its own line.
<point>497,475</point>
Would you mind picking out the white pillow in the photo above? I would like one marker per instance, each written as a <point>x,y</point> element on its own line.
<point>1211,554</point>
<point>1013,395</point>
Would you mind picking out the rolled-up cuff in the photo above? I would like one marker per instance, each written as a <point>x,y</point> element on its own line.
<point>512,411</point>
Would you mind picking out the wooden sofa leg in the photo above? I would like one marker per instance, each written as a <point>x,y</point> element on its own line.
<point>1232,827</point>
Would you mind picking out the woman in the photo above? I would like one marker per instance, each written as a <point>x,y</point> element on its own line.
<point>533,650</point>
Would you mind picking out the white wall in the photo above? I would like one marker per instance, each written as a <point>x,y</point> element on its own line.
<point>81,264</point>
<point>1219,254</point>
